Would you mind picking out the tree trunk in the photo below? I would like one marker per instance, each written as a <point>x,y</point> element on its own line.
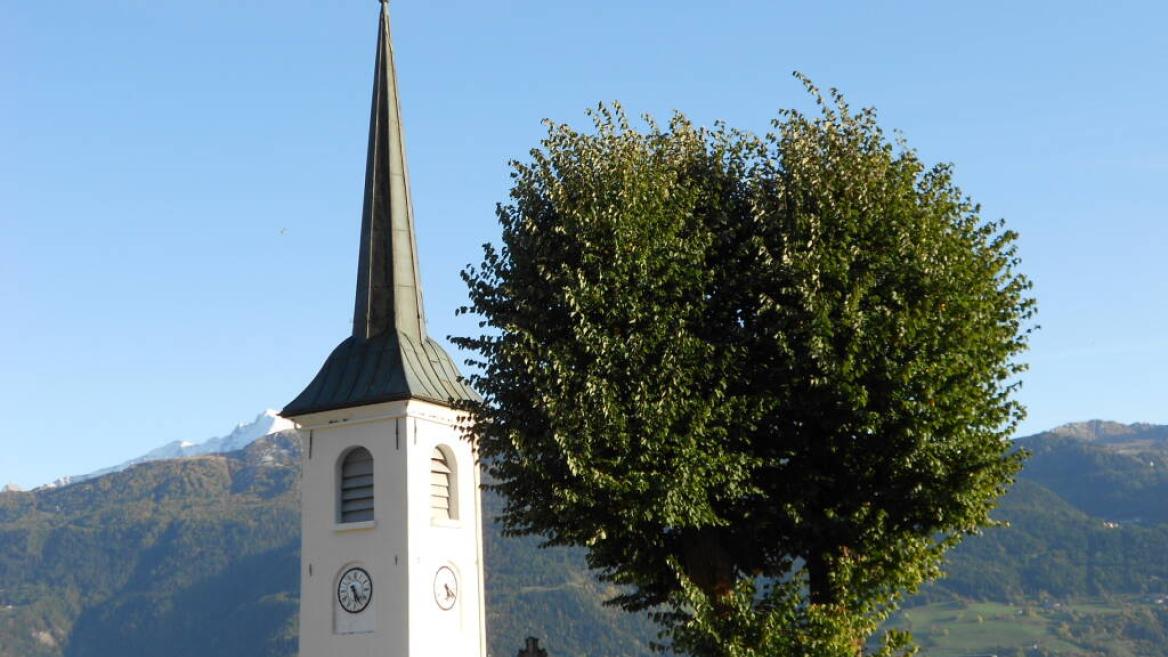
<point>822,591</point>
<point>819,579</point>
<point>708,564</point>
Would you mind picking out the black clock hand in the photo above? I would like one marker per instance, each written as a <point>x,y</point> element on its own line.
<point>353,590</point>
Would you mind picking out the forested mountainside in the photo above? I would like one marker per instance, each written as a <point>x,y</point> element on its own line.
<point>1082,568</point>
<point>198,556</point>
<point>186,557</point>
<point>1105,469</point>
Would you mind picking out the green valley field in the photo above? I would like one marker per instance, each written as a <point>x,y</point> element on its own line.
<point>1118,628</point>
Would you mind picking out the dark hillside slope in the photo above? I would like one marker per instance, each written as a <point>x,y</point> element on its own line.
<point>128,564</point>
<point>1113,471</point>
<point>1053,549</point>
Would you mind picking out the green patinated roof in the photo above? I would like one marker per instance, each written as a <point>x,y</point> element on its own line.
<point>389,356</point>
<point>387,367</point>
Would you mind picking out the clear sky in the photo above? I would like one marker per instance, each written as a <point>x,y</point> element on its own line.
<point>180,182</point>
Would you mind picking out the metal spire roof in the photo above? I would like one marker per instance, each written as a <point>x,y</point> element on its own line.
<point>389,356</point>
<point>389,290</point>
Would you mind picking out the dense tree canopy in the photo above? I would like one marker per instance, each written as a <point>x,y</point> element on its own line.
<point>765,380</point>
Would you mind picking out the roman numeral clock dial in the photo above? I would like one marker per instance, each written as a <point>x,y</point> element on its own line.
<point>355,590</point>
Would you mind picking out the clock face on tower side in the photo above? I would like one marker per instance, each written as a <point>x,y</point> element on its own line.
<point>355,590</point>
<point>445,588</point>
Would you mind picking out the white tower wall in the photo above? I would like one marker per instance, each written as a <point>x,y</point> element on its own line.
<point>402,549</point>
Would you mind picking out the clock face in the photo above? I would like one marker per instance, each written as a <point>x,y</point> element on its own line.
<point>355,590</point>
<point>445,588</point>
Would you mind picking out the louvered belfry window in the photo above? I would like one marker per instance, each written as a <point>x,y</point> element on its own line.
<point>441,480</point>
<point>357,486</point>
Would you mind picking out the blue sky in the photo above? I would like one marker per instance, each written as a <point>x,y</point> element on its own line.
<point>180,182</point>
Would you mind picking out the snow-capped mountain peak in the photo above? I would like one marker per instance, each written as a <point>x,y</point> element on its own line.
<point>244,434</point>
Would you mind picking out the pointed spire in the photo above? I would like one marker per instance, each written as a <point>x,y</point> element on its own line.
<point>389,290</point>
<point>389,357</point>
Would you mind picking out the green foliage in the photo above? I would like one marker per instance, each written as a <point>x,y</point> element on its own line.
<point>779,622</point>
<point>719,361</point>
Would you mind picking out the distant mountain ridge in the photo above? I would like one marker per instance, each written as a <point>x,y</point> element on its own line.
<point>1117,472</point>
<point>244,434</point>
<point>1123,437</point>
<point>1105,431</point>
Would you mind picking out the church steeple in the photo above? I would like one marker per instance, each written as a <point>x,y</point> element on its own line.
<point>389,356</point>
<point>391,528</point>
<point>389,290</point>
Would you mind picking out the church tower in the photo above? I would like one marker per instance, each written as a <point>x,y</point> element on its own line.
<point>391,538</point>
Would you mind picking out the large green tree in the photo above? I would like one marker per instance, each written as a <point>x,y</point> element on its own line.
<point>766,381</point>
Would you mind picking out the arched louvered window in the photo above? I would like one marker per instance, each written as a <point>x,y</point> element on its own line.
<point>357,486</point>
<point>443,502</point>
